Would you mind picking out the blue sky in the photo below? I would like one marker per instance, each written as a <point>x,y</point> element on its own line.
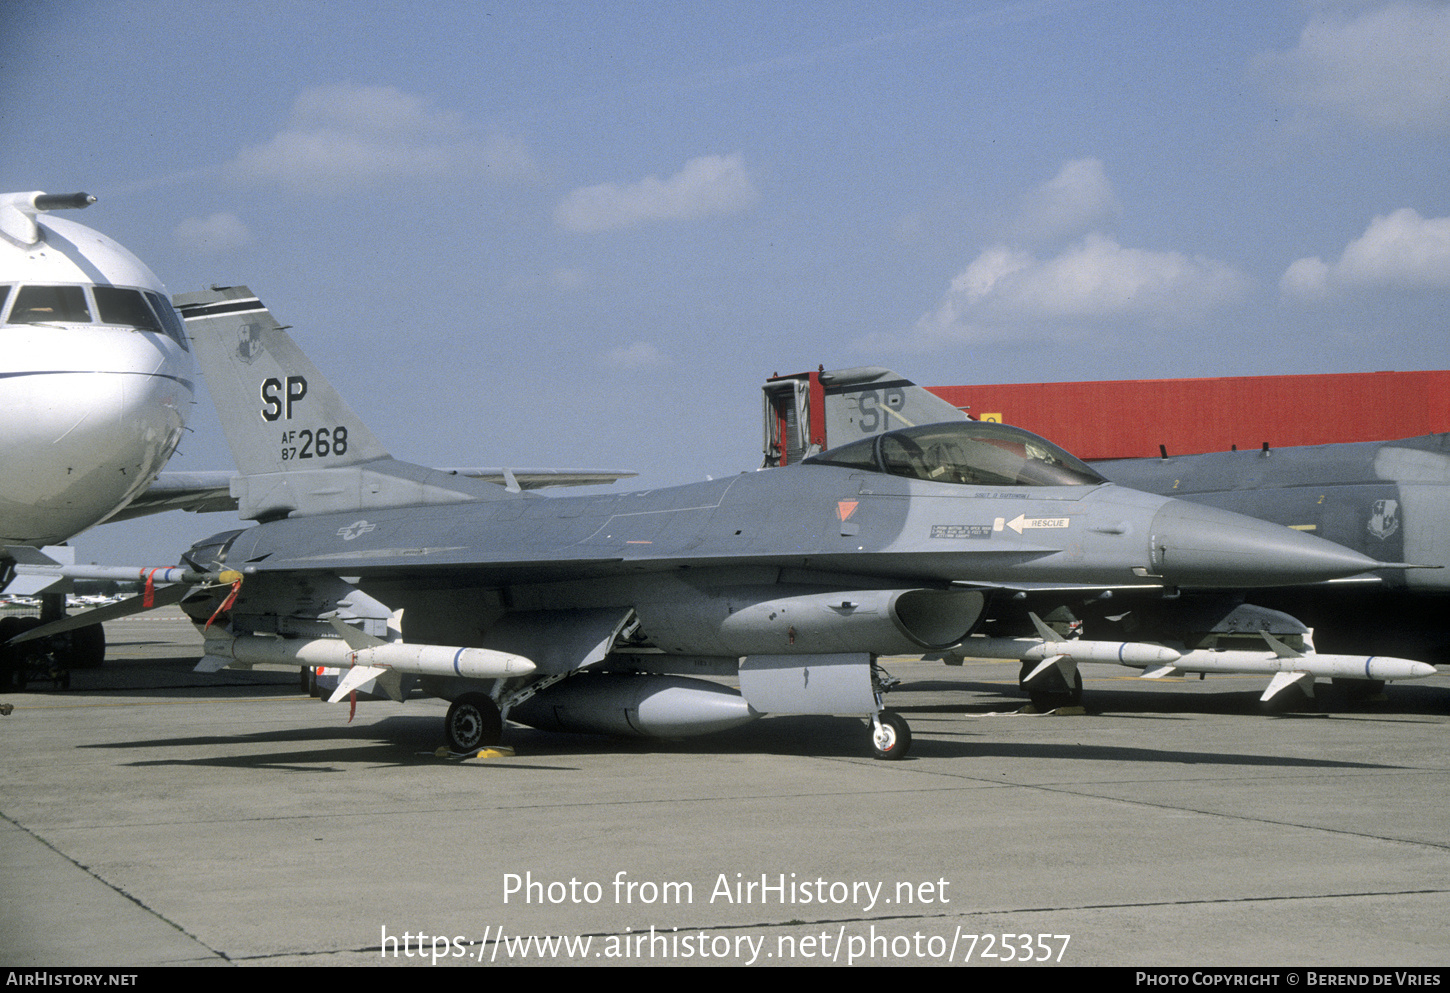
<point>582,234</point>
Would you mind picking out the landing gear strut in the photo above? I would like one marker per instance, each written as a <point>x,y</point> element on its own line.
<point>890,734</point>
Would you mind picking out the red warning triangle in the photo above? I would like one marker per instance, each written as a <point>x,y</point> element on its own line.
<point>845,508</point>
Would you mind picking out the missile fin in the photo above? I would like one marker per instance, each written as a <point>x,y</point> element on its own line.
<point>355,677</point>
<point>356,640</point>
<point>1280,649</point>
<point>1159,671</point>
<point>1284,680</point>
<point>213,663</point>
<point>1043,631</point>
<point>1063,662</point>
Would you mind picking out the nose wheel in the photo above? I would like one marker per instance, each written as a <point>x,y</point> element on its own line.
<point>890,735</point>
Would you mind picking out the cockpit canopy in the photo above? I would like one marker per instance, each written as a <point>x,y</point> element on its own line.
<point>977,453</point>
<point>120,306</point>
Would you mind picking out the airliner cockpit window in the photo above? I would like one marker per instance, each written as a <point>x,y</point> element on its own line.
<point>125,307</point>
<point>50,305</point>
<point>170,319</point>
<point>975,453</point>
<point>4,296</point>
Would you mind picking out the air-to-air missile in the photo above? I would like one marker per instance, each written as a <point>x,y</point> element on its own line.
<point>1287,665</point>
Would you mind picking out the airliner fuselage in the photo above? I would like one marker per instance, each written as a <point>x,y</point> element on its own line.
<point>96,377</point>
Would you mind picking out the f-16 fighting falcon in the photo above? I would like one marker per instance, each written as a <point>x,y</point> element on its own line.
<point>600,613</point>
<point>1328,489</point>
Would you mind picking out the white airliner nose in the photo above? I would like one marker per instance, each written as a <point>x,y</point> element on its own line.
<point>87,440</point>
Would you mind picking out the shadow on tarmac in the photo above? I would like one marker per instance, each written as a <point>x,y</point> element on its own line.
<point>404,741</point>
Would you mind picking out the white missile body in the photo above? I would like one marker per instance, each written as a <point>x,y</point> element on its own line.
<point>365,662</point>
<point>1132,653</point>
<point>1051,651</point>
<point>1381,667</point>
<point>1294,667</point>
<point>1285,664</point>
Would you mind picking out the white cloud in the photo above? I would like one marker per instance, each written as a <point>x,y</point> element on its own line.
<point>1091,284</point>
<point>1388,66</point>
<point>1401,250</point>
<point>1306,279</point>
<point>639,355</point>
<point>343,137</point>
<point>1077,200</point>
<point>211,235</point>
<point>710,184</point>
<point>1006,290</point>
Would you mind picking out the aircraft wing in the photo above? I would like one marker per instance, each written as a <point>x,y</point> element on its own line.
<point>198,492</point>
<point>210,492</point>
<point>536,479</point>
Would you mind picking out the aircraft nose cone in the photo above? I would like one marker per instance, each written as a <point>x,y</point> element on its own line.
<point>1194,545</point>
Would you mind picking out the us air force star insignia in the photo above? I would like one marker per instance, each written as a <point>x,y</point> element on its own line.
<point>354,529</point>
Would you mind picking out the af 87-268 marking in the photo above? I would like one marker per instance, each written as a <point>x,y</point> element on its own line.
<point>314,444</point>
<point>279,397</point>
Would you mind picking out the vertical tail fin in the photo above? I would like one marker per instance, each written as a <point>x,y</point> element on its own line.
<point>300,448</point>
<point>276,408</point>
<point>812,411</point>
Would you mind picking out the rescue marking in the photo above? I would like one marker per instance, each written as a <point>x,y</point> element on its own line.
<point>1022,523</point>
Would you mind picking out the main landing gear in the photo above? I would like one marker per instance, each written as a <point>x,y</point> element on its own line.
<point>473,722</point>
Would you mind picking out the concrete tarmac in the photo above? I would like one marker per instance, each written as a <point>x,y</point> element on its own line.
<point>150,815</point>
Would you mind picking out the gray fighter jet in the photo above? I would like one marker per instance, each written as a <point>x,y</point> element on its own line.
<point>1384,499</point>
<point>601,613</point>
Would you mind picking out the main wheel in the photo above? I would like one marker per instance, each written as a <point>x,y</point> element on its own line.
<point>473,722</point>
<point>892,739</point>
